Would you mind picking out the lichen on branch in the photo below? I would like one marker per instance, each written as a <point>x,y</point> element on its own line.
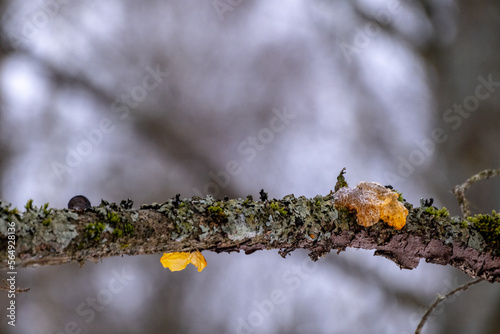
<point>55,236</point>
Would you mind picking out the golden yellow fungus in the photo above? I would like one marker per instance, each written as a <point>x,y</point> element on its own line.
<point>179,260</point>
<point>372,202</point>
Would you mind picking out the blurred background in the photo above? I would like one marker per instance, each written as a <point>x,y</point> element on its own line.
<point>146,100</point>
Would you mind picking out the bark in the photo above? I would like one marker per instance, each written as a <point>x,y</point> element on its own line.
<point>46,236</point>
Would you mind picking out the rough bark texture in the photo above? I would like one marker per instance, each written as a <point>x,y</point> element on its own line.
<point>51,236</point>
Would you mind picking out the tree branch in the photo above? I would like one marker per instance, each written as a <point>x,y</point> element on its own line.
<point>46,236</point>
<point>460,190</point>
<point>440,298</point>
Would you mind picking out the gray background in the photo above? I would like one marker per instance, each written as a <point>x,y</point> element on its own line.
<point>367,85</point>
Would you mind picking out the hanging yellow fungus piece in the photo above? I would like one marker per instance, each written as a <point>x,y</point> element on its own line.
<point>372,202</point>
<point>179,260</point>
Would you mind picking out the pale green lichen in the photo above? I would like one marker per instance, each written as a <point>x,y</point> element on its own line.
<point>8,215</point>
<point>38,226</point>
<point>236,225</point>
<point>475,240</point>
<point>64,230</point>
<point>241,230</point>
<point>181,215</point>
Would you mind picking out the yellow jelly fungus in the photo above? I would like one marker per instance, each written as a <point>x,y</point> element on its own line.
<point>372,202</point>
<point>179,260</point>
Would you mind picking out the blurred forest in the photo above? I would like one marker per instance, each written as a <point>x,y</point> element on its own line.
<point>148,99</point>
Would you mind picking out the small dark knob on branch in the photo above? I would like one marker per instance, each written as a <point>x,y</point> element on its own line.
<point>79,203</point>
